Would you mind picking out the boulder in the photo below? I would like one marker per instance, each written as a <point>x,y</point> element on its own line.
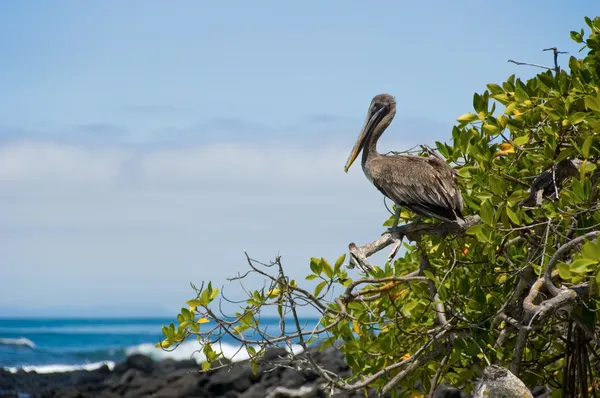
<point>140,362</point>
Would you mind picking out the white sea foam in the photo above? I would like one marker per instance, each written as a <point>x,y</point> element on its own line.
<point>193,350</point>
<point>21,341</point>
<point>62,368</point>
<point>187,350</point>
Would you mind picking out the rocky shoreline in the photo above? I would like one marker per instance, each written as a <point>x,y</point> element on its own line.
<point>140,376</point>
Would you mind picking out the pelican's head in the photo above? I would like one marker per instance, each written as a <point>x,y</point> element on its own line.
<point>381,105</point>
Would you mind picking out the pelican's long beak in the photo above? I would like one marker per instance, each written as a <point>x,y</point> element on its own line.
<point>371,121</point>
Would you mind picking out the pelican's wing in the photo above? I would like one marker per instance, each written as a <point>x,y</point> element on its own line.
<point>425,185</point>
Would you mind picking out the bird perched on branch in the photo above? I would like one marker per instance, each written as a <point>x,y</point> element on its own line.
<point>424,185</point>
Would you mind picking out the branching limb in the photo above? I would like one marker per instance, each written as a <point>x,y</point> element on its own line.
<point>530,64</point>
<point>414,231</point>
<point>556,68</point>
<point>559,255</point>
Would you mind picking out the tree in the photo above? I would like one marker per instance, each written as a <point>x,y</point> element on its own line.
<point>515,286</point>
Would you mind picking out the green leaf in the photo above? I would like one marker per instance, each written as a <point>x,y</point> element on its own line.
<point>591,250</point>
<point>195,327</point>
<point>479,231</point>
<point>339,262</point>
<point>320,287</point>
<point>239,329</point>
<point>430,275</point>
<point>166,343</point>
<point>411,305</point>
<point>327,269</point>
<point>592,102</point>
<point>490,129</point>
<point>522,140</point>
<point>315,265</point>
<point>487,213</point>
<point>576,36</point>
<point>581,266</point>
<point>467,118</point>
<point>205,365</point>
<point>517,196</point>
<point>247,318</point>
<point>513,217</point>
<point>585,148</point>
<point>564,271</point>
<point>204,298</point>
<point>311,277</point>
<point>194,303</point>
<point>521,95</point>
<point>577,117</point>
<point>495,89</point>
<point>547,79</point>
<point>497,185</point>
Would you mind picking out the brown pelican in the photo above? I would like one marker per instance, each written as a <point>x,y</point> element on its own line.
<point>425,185</point>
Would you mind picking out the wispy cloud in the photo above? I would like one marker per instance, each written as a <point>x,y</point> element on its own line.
<point>153,110</point>
<point>78,219</point>
<point>100,129</point>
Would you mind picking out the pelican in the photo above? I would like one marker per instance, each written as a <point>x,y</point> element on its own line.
<point>425,185</point>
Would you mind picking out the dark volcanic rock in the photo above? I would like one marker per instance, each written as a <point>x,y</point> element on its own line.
<point>139,376</point>
<point>140,362</point>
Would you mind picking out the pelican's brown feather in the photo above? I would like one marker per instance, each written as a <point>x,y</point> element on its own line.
<point>425,185</point>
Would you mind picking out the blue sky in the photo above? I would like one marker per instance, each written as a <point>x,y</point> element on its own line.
<point>147,144</point>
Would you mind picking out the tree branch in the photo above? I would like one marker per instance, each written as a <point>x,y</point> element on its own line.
<point>556,68</point>
<point>413,231</point>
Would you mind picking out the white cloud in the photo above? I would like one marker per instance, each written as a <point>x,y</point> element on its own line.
<point>27,162</point>
<point>117,227</point>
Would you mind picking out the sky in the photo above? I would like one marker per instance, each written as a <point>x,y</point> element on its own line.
<point>148,144</point>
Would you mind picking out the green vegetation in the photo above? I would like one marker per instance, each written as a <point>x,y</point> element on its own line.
<point>517,288</point>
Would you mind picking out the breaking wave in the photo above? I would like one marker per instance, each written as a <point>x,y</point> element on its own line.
<point>193,350</point>
<point>187,350</point>
<point>61,368</point>
<point>20,341</point>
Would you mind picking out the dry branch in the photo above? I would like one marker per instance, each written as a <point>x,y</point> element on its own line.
<point>413,231</point>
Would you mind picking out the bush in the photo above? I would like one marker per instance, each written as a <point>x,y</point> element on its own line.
<point>516,286</point>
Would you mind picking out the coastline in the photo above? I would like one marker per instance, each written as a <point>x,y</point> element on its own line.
<point>140,376</point>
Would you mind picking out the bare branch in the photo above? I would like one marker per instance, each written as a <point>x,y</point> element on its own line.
<point>556,68</point>
<point>414,231</point>
<point>529,64</point>
<point>558,255</point>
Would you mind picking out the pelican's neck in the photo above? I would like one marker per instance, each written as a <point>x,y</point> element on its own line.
<point>370,148</point>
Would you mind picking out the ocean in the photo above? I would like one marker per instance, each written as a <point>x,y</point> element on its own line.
<point>59,345</point>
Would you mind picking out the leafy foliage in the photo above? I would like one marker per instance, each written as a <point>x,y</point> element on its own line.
<point>483,280</point>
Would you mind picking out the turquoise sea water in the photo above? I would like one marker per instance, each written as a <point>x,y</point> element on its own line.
<point>50,345</point>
